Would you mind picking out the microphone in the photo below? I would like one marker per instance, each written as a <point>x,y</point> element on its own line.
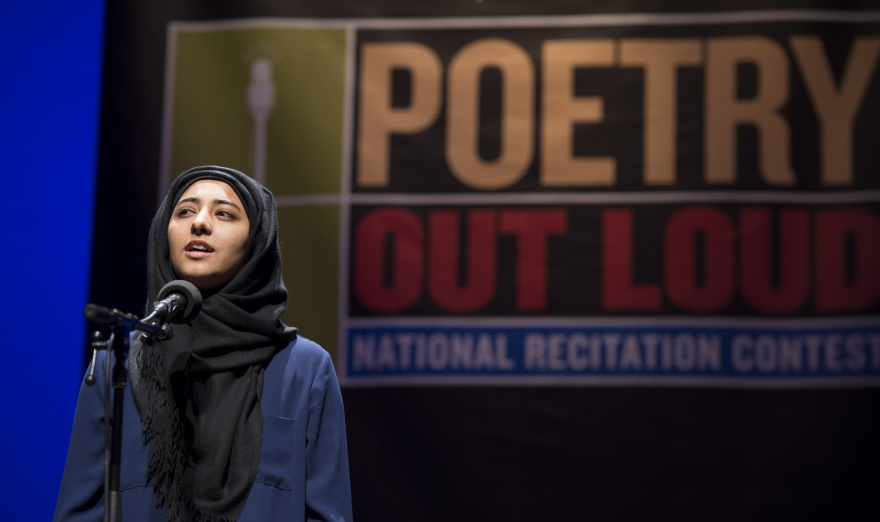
<point>179,302</point>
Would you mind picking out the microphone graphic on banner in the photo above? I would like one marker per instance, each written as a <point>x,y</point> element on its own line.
<point>260,102</point>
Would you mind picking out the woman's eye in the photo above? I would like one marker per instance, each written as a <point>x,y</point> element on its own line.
<point>184,211</point>
<point>225,214</point>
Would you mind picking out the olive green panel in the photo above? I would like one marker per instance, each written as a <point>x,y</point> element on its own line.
<point>309,238</point>
<point>211,123</point>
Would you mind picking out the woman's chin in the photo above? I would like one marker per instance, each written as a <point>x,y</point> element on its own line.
<point>205,283</point>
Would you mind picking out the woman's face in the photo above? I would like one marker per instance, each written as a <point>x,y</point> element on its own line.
<point>208,235</point>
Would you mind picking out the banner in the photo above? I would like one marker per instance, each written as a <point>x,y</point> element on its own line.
<point>651,199</point>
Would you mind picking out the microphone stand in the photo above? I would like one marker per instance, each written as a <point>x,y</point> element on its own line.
<point>176,297</point>
<point>121,325</point>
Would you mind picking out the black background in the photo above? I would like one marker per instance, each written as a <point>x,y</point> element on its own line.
<point>432,454</point>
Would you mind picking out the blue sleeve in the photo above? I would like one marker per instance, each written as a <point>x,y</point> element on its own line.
<point>81,497</point>
<point>328,491</point>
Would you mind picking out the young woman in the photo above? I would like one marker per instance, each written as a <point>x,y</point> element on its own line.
<point>236,417</point>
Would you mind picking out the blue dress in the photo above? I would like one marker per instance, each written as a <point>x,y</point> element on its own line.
<point>303,469</point>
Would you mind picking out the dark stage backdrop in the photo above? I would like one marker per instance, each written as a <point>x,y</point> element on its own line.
<point>609,261</point>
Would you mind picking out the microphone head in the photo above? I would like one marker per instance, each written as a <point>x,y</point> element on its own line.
<point>190,293</point>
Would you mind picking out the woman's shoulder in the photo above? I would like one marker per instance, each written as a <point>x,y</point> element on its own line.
<point>302,367</point>
<point>301,357</point>
<point>307,352</point>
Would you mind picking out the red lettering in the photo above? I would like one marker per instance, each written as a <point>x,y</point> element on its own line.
<point>680,259</point>
<point>619,292</point>
<point>833,292</point>
<point>407,234</point>
<point>532,228</point>
<point>794,260</point>
<point>443,254</point>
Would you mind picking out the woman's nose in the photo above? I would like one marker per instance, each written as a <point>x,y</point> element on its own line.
<point>201,224</point>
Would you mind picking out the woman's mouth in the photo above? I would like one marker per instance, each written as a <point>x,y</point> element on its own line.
<point>197,249</point>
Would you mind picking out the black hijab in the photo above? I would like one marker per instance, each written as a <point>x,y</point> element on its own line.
<point>199,392</point>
